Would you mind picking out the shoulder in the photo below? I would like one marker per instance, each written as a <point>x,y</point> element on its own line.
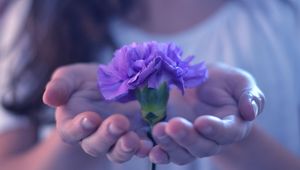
<point>8,121</point>
<point>281,13</point>
<point>276,23</point>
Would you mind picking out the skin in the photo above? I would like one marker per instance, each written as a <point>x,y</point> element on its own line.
<point>52,153</point>
<point>216,123</point>
<point>67,85</point>
<point>159,17</point>
<point>77,100</point>
<point>257,151</point>
<point>82,130</point>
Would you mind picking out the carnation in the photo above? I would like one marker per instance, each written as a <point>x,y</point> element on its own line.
<point>145,72</point>
<point>149,64</point>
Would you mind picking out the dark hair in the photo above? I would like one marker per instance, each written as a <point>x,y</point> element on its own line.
<point>60,32</point>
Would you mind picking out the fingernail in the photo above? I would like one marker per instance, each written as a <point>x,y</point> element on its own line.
<point>88,124</point>
<point>147,143</point>
<point>126,148</point>
<point>113,129</point>
<point>208,130</point>
<point>158,158</point>
<point>255,107</point>
<point>162,137</point>
<point>181,134</point>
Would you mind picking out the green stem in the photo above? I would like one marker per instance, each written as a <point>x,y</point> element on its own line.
<point>152,165</point>
<point>153,104</point>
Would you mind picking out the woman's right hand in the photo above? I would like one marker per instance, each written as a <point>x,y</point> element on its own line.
<point>83,117</point>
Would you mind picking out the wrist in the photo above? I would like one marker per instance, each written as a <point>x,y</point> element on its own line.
<point>62,155</point>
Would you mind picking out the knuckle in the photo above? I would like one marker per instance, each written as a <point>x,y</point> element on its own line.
<point>121,118</point>
<point>69,132</point>
<point>90,149</point>
<point>236,136</point>
<point>193,139</point>
<point>60,70</point>
<point>206,151</point>
<point>110,137</point>
<point>218,132</point>
<point>212,150</point>
<point>105,145</point>
<point>107,141</point>
<point>67,137</point>
<point>184,161</point>
<point>115,158</point>
<point>189,143</point>
<point>242,132</point>
<point>168,146</point>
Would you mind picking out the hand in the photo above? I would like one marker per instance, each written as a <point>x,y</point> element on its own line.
<point>82,116</point>
<point>218,113</point>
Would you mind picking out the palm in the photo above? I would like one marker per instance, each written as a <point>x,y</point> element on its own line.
<point>73,91</point>
<point>214,97</point>
<point>88,98</point>
<point>215,100</point>
<point>211,98</point>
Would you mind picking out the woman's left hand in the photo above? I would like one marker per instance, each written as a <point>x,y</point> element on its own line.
<point>218,113</point>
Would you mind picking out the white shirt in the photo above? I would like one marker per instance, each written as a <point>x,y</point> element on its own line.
<point>261,37</point>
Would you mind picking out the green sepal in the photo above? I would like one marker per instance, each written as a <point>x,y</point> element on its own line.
<point>153,103</point>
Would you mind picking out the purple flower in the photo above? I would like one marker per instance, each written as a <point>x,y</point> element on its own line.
<point>147,65</point>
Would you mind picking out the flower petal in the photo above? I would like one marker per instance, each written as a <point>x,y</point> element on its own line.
<point>149,64</point>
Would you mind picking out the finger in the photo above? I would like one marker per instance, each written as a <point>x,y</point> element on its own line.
<point>106,136</point>
<point>177,154</point>
<point>79,127</point>
<point>60,87</point>
<point>251,103</point>
<point>145,148</point>
<point>125,148</point>
<point>158,156</point>
<point>65,80</point>
<point>249,96</point>
<point>183,133</point>
<point>223,131</point>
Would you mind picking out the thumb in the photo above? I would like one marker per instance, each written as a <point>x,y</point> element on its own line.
<point>250,98</point>
<point>58,92</point>
<point>66,80</point>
